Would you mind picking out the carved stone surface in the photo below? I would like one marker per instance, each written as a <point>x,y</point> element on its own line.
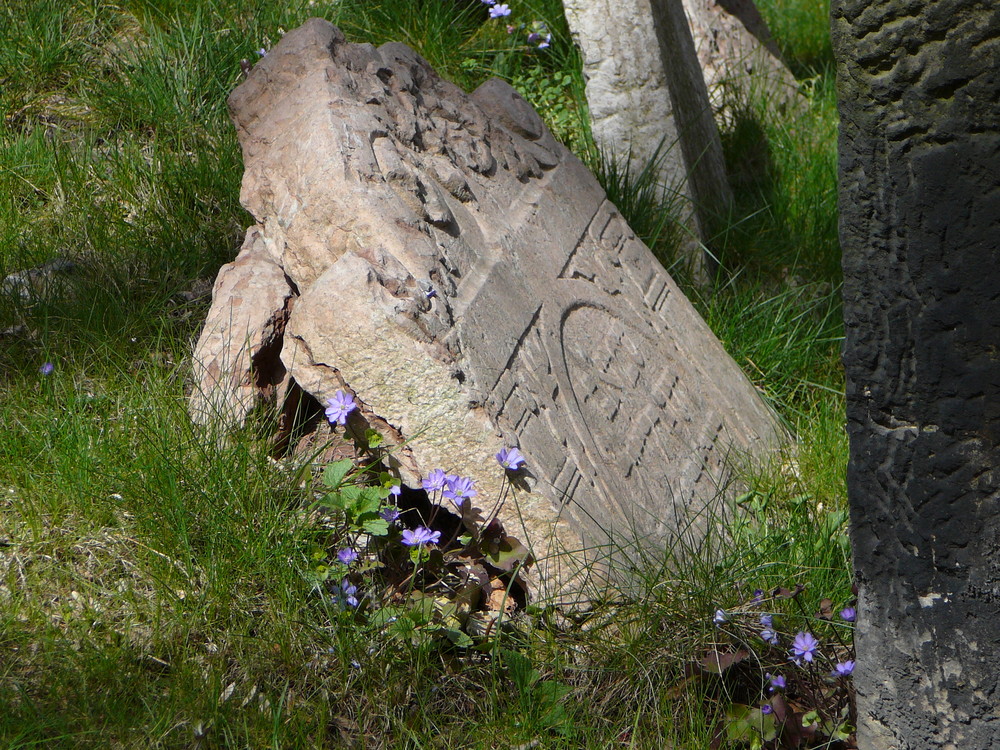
<point>465,276</point>
<point>919,91</point>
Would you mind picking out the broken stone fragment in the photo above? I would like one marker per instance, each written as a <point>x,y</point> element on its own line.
<point>444,259</point>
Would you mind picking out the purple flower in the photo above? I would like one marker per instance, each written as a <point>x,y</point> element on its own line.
<point>46,369</point>
<point>390,514</point>
<point>848,614</point>
<point>338,407</point>
<point>510,458</point>
<point>758,596</point>
<point>499,11</point>
<point>777,683</point>
<point>766,620</point>
<point>769,636</point>
<point>545,44</point>
<point>766,709</point>
<point>420,536</point>
<point>347,555</point>
<point>804,647</point>
<point>459,489</point>
<point>489,2</point>
<point>844,668</point>
<point>395,490</point>
<point>435,480</point>
<point>720,617</point>
<point>346,595</point>
<point>262,52</point>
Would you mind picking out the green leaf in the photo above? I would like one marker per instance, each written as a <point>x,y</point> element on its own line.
<point>457,637</point>
<point>521,672</point>
<point>373,438</point>
<point>368,501</point>
<point>333,474</point>
<point>548,698</point>
<point>507,554</point>
<point>337,500</point>
<point>375,526</point>
<point>421,608</point>
<point>386,616</point>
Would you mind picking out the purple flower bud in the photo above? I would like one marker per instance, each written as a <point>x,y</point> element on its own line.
<point>777,683</point>
<point>338,407</point>
<point>346,595</point>
<point>766,709</point>
<point>420,536</point>
<point>510,458</point>
<point>844,668</point>
<point>46,369</point>
<point>848,614</point>
<point>720,617</point>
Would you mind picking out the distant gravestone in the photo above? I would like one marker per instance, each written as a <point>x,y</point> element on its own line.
<point>738,57</point>
<point>442,257</point>
<point>647,98</point>
<point>656,71</point>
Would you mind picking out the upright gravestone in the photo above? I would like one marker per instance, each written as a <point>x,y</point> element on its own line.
<point>443,258</point>
<point>647,98</point>
<point>738,57</point>
<point>919,90</point>
<point>657,69</point>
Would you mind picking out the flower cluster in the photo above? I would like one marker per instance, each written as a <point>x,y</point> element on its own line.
<point>813,669</point>
<point>374,518</point>
<point>456,488</point>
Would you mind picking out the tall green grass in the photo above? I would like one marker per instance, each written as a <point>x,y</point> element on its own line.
<point>154,588</point>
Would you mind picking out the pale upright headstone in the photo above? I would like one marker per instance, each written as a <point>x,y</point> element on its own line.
<point>445,259</point>
<point>647,97</point>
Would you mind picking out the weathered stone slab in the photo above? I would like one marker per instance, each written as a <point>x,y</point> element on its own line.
<point>464,275</point>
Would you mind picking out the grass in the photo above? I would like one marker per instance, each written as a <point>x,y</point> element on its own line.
<point>155,590</point>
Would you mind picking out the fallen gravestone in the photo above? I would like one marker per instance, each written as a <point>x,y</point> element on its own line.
<point>442,257</point>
